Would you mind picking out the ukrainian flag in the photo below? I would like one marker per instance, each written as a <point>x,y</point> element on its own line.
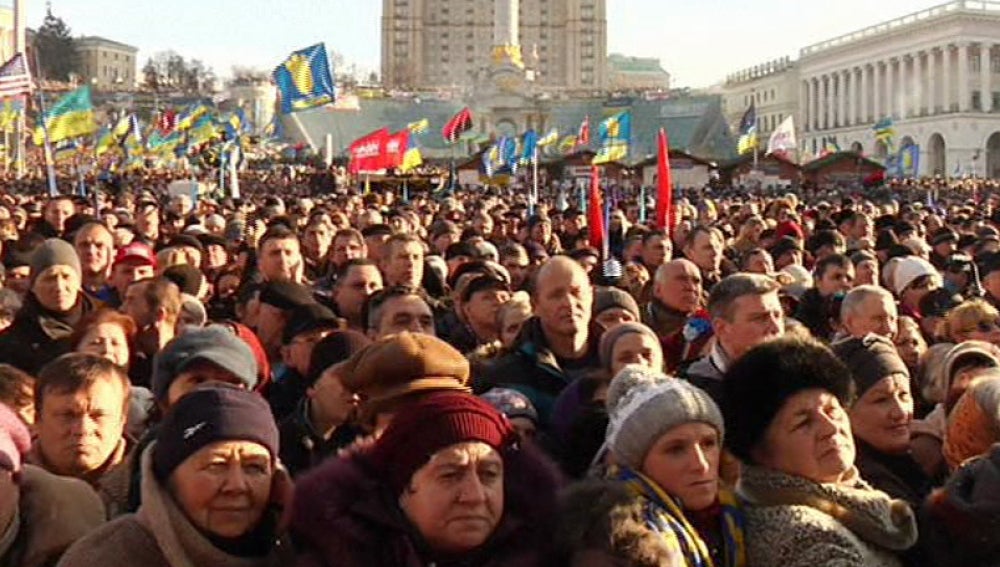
<point>412,158</point>
<point>567,144</point>
<point>71,117</point>
<point>548,139</point>
<point>419,127</point>
<point>615,133</point>
<point>105,141</point>
<point>203,131</point>
<point>304,79</point>
<point>190,115</point>
<point>9,114</point>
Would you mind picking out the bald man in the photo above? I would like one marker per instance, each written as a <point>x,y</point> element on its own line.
<point>556,345</point>
<point>677,294</point>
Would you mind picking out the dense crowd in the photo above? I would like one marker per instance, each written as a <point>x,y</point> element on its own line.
<point>317,375</point>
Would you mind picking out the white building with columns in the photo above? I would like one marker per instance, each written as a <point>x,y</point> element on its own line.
<point>773,89</point>
<point>933,72</point>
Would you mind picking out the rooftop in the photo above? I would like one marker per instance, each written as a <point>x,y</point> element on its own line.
<point>628,64</point>
<point>940,12</point>
<point>95,41</point>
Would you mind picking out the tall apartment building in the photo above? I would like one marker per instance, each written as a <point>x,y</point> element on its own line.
<point>430,44</point>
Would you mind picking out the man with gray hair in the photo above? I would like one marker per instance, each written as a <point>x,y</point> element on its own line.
<point>677,293</point>
<point>745,311</point>
<point>869,309</point>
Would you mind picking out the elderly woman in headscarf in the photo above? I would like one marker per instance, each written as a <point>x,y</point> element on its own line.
<point>806,504</point>
<point>447,483</point>
<point>211,491</point>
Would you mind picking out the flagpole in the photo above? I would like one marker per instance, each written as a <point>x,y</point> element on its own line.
<point>533,202</point>
<point>305,133</point>
<point>49,166</point>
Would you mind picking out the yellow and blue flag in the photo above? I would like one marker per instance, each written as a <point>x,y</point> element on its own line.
<point>529,147</point>
<point>420,126</point>
<point>304,79</point>
<point>190,116</point>
<point>12,109</point>
<point>614,133</point>
<point>885,132</point>
<point>748,131</point>
<point>104,142</point>
<point>411,158</point>
<point>71,117</point>
<point>550,138</point>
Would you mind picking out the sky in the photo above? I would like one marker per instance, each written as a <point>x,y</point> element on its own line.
<point>698,42</point>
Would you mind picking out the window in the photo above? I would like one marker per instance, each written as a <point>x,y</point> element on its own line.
<point>977,100</point>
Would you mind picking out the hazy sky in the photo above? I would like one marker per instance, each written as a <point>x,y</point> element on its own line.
<point>699,42</point>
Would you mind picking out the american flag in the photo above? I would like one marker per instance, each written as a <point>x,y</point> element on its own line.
<point>14,77</point>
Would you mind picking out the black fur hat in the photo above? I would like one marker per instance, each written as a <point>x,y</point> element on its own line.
<point>761,381</point>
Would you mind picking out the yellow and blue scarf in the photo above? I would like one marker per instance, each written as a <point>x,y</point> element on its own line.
<point>664,515</point>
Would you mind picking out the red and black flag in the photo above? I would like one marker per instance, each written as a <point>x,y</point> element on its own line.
<point>460,123</point>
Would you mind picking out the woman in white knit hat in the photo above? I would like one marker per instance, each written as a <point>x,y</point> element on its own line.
<point>665,437</point>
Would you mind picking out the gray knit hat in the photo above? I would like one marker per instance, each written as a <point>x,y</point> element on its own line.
<point>53,252</point>
<point>609,297</point>
<point>611,336</point>
<point>641,414</point>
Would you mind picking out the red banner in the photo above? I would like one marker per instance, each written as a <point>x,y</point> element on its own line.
<point>395,149</point>
<point>664,186</point>
<point>368,153</point>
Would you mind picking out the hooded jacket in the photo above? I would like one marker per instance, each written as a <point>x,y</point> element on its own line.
<point>343,516</point>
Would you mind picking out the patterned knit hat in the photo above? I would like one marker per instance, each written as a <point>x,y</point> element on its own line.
<point>641,414</point>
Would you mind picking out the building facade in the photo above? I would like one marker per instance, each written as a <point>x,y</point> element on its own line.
<point>933,74</point>
<point>772,87</point>
<point>445,44</point>
<point>636,74</point>
<point>6,33</point>
<point>107,64</point>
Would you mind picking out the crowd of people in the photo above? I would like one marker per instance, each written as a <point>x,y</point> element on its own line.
<point>317,375</point>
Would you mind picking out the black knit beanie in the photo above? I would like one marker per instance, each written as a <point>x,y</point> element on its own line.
<point>208,415</point>
<point>870,359</point>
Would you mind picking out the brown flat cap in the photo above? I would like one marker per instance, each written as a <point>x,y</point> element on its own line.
<point>400,365</point>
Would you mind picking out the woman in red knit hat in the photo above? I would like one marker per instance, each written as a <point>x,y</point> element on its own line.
<point>447,482</point>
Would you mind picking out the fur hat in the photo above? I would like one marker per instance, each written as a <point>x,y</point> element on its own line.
<point>759,383</point>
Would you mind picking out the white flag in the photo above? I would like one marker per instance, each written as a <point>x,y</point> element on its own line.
<point>783,137</point>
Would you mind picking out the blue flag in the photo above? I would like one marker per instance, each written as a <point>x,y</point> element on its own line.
<point>530,144</point>
<point>304,80</point>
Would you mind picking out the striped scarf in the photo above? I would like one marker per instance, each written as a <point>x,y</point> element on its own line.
<point>664,515</point>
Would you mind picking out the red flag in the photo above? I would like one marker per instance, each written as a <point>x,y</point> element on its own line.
<point>664,186</point>
<point>583,136</point>
<point>595,212</point>
<point>459,123</point>
<point>368,153</point>
<point>395,147</point>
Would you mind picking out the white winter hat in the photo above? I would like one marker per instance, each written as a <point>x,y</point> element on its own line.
<point>909,269</point>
